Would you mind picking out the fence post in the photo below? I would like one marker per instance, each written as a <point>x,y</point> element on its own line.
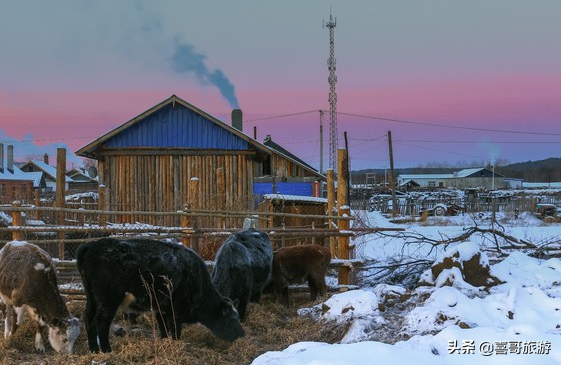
<point>193,199</point>
<point>220,194</point>
<point>331,208</point>
<point>17,221</point>
<point>37,202</point>
<point>60,195</point>
<point>343,249</point>
<point>101,205</point>
<point>344,211</point>
<point>185,224</point>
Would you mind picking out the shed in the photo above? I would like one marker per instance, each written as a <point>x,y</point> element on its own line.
<point>294,204</point>
<point>146,163</point>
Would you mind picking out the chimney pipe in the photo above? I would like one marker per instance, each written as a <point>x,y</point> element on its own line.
<point>11,158</point>
<point>46,158</point>
<point>1,158</point>
<point>237,119</point>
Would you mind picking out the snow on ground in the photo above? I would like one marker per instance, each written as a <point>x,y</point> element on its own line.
<point>515,322</point>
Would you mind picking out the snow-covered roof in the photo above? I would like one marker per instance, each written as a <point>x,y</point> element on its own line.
<point>468,172</point>
<point>47,169</point>
<point>425,176</point>
<point>36,176</point>
<point>294,198</point>
<point>460,174</point>
<point>17,174</point>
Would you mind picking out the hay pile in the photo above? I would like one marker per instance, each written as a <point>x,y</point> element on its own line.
<point>269,327</point>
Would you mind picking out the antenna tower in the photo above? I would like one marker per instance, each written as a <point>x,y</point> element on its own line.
<point>332,94</point>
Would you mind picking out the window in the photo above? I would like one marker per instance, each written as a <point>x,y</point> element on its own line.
<point>267,166</point>
<point>432,184</point>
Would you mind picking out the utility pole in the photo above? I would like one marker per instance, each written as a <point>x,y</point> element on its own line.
<point>321,141</point>
<point>331,24</point>
<point>391,177</point>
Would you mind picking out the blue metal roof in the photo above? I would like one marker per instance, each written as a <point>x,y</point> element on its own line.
<point>177,127</point>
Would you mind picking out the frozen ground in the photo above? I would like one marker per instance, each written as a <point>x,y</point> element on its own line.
<point>451,321</point>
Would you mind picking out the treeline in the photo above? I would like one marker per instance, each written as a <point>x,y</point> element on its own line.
<point>548,170</point>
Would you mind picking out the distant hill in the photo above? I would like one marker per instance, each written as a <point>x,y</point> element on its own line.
<point>548,170</point>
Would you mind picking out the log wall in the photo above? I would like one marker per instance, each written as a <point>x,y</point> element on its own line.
<point>160,183</point>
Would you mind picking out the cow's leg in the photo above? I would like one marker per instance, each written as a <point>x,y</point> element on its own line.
<point>89,317</point>
<point>255,296</point>
<point>102,323</point>
<point>312,284</point>
<point>169,325</point>
<point>39,345</point>
<point>285,295</point>
<point>9,321</point>
<point>242,305</point>
<point>163,325</point>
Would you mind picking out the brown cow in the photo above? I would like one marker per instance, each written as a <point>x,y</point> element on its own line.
<point>296,264</point>
<point>28,281</point>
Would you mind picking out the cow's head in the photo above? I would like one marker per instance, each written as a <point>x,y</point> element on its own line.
<point>63,333</point>
<point>225,322</point>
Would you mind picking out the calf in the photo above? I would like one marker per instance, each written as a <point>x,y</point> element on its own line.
<point>243,267</point>
<point>28,282</point>
<point>140,275</point>
<point>295,264</point>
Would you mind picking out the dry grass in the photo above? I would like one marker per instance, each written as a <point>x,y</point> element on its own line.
<point>269,327</point>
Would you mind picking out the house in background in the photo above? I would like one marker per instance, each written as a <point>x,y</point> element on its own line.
<point>81,181</point>
<point>146,164</point>
<point>463,179</point>
<point>49,173</point>
<point>277,175</point>
<point>14,183</point>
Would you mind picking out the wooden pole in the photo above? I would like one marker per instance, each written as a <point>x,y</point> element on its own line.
<point>344,250</point>
<point>344,211</point>
<point>37,202</point>
<point>342,178</point>
<point>331,207</point>
<point>193,200</point>
<point>101,205</point>
<point>221,193</point>
<point>391,177</point>
<point>60,195</point>
<point>186,224</point>
<point>17,221</point>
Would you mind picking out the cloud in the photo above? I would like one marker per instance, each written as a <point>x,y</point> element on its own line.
<point>186,60</point>
<point>26,149</point>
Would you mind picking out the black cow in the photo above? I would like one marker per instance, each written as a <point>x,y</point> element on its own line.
<point>243,267</point>
<point>140,275</point>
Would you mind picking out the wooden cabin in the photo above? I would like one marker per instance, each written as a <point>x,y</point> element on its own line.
<point>147,163</point>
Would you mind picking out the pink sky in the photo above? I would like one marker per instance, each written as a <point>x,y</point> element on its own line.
<point>66,80</point>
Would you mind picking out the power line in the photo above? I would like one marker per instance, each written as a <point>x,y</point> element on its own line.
<point>481,142</point>
<point>449,126</point>
<point>282,116</point>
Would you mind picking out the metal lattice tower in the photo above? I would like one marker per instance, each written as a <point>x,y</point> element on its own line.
<point>332,94</point>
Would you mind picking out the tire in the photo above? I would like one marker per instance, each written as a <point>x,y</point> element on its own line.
<point>439,211</point>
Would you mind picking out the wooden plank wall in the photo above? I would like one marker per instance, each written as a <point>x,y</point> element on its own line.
<point>284,168</point>
<point>160,183</point>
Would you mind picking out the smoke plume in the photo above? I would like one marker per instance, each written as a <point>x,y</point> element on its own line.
<point>186,60</point>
